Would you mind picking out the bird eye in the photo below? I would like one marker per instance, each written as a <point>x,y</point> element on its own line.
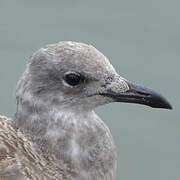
<point>73,78</point>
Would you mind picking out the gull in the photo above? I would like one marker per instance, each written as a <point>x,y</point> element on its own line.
<point>55,133</point>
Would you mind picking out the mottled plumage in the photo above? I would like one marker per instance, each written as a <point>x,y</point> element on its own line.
<point>55,133</point>
<point>19,159</point>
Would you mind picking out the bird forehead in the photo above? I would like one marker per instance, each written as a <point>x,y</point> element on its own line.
<point>81,56</point>
<point>72,56</point>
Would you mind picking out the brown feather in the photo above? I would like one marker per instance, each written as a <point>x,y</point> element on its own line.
<point>19,160</point>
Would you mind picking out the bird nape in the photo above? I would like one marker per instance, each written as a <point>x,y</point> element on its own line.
<point>56,134</point>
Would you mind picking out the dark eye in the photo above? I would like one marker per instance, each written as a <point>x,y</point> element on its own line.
<point>73,78</point>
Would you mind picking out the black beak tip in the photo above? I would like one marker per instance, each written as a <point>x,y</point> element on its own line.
<point>167,105</point>
<point>151,98</point>
<point>163,106</point>
<point>161,102</point>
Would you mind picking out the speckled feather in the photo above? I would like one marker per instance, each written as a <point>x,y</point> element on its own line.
<point>19,160</point>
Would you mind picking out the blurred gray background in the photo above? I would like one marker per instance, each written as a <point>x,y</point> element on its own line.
<point>142,40</point>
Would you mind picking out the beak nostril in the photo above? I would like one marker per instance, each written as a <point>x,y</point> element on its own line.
<point>109,79</point>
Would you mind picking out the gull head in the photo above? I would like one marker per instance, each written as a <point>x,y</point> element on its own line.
<point>76,75</point>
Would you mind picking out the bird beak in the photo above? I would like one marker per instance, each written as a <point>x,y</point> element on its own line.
<point>137,94</point>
